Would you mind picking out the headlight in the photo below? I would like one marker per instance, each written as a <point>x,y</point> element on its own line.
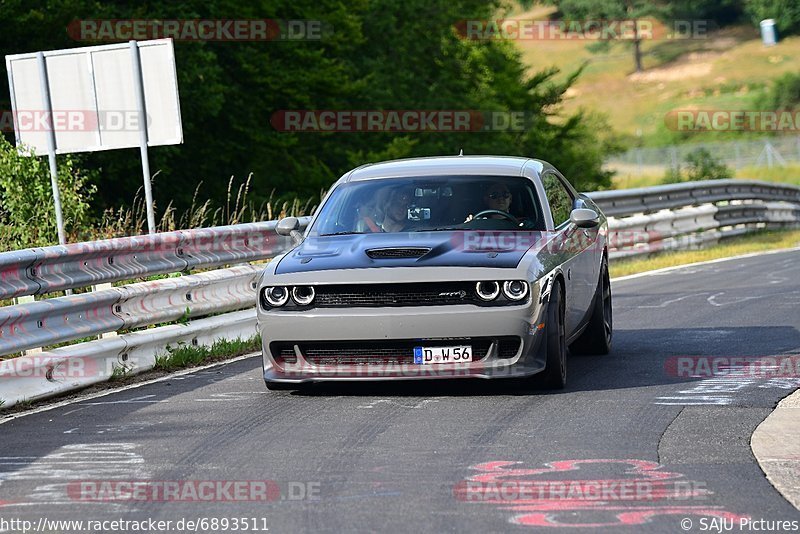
<point>487,290</point>
<point>276,296</point>
<point>303,295</point>
<point>515,289</point>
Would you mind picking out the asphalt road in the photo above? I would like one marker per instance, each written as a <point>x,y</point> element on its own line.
<point>629,446</point>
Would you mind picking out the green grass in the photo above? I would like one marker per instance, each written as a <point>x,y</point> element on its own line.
<point>186,355</point>
<point>626,179</point>
<point>120,372</point>
<point>790,174</point>
<point>756,242</point>
<point>23,404</point>
<point>729,69</point>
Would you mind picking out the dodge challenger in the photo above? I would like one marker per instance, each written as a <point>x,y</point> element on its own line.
<point>443,267</point>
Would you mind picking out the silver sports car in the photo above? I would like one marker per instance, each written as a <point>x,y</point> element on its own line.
<point>445,267</point>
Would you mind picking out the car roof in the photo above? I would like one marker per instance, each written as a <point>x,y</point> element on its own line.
<point>445,165</point>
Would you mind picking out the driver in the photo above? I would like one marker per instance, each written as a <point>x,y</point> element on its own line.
<point>495,197</point>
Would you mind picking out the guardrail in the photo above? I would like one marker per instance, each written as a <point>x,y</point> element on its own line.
<point>640,221</point>
<point>692,214</point>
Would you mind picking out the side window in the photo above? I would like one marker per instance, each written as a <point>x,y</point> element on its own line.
<point>559,198</point>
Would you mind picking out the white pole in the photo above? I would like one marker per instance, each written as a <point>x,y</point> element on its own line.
<point>138,87</point>
<point>51,147</point>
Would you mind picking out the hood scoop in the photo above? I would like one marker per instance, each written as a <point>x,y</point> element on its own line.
<point>397,252</point>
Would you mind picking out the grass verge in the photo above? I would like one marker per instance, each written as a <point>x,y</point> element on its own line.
<point>630,176</point>
<point>725,69</point>
<point>189,355</point>
<point>756,242</point>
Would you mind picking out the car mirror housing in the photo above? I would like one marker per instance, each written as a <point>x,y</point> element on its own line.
<point>287,225</point>
<point>584,218</point>
<point>290,227</point>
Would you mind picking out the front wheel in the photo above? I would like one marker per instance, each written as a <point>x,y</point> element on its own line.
<point>596,339</point>
<point>554,375</point>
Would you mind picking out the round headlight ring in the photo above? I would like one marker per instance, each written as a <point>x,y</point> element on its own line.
<point>303,295</point>
<point>515,289</point>
<point>276,296</point>
<point>487,290</point>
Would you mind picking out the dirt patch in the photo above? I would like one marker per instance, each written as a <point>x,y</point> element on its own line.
<point>674,73</point>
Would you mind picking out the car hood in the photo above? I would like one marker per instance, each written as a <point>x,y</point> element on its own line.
<point>446,249</point>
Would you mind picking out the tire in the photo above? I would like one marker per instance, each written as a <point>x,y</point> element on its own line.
<point>554,375</point>
<point>596,339</point>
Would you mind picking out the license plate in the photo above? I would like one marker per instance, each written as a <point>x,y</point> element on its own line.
<point>455,354</point>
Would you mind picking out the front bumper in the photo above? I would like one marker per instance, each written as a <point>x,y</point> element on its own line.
<point>423,323</point>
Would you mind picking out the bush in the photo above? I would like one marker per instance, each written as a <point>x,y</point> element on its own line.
<point>785,12</point>
<point>700,165</point>
<point>27,212</point>
<point>783,95</point>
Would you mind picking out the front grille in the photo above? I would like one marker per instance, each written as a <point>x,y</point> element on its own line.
<point>508,347</point>
<point>284,354</point>
<point>393,295</point>
<point>385,352</point>
<point>397,253</point>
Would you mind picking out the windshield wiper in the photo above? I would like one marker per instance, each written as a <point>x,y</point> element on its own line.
<point>439,229</point>
<point>341,233</point>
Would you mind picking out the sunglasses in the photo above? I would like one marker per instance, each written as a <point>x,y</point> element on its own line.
<point>500,194</point>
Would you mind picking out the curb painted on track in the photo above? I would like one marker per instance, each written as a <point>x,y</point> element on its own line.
<point>776,446</point>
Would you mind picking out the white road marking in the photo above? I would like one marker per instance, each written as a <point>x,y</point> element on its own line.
<point>672,301</point>
<point>232,396</point>
<point>70,463</point>
<point>736,300</point>
<point>374,403</point>
<point>144,399</point>
<point>83,398</point>
<point>657,272</point>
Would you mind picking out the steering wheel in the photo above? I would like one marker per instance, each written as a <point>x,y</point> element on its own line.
<point>485,213</point>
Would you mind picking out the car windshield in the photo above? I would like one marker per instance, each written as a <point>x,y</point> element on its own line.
<point>424,204</point>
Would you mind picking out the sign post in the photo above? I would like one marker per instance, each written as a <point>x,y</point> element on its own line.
<point>138,88</point>
<point>122,95</point>
<point>47,108</point>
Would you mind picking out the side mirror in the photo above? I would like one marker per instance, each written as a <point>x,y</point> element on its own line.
<point>584,218</point>
<point>290,227</point>
<point>287,225</point>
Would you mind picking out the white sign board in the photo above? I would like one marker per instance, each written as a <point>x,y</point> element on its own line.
<point>93,97</point>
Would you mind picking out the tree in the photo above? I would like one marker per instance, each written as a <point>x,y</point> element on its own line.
<point>381,55</point>
<point>785,12</point>
<point>633,11</point>
<point>700,165</point>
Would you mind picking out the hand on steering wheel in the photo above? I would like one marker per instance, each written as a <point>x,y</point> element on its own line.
<point>485,213</point>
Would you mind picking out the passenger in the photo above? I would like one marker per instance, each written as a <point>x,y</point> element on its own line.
<point>395,218</point>
<point>393,215</point>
